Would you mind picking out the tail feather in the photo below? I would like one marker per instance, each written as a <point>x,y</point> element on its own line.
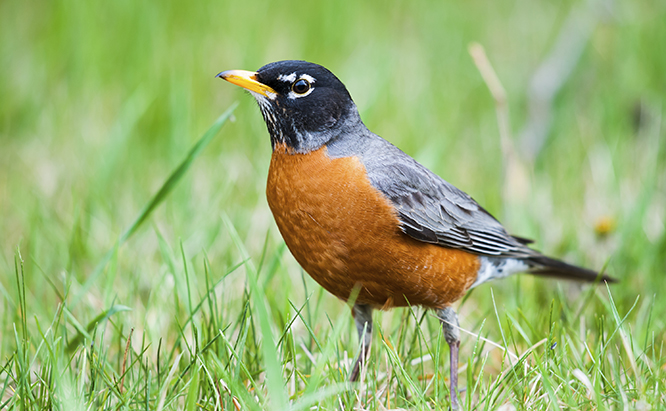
<point>550,267</point>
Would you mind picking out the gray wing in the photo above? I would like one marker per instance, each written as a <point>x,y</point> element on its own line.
<point>434,211</point>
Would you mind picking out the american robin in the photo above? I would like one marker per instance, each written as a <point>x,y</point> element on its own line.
<point>364,219</point>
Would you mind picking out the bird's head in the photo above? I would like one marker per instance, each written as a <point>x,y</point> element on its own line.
<point>304,105</point>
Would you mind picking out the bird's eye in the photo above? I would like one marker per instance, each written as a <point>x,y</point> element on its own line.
<point>301,86</point>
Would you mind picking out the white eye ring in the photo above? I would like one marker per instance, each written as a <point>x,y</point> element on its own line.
<point>301,88</point>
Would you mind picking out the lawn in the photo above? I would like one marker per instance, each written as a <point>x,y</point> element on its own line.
<point>140,267</point>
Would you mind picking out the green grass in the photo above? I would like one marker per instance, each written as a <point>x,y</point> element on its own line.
<point>115,294</point>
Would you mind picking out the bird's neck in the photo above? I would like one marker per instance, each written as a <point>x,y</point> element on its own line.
<point>285,136</point>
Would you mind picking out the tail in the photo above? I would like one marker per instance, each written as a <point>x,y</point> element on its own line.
<point>550,267</point>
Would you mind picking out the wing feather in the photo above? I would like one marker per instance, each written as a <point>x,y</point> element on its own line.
<point>434,211</point>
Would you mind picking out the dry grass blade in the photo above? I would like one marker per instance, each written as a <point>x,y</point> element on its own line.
<point>127,347</point>
<point>517,184</point>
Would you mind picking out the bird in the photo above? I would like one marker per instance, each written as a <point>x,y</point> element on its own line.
<point>368,222</point>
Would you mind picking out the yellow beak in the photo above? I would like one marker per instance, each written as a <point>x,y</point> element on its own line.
<point>247,80</point>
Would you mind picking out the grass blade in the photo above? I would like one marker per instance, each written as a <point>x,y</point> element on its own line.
<point>178,173</point>
<point>157,199</point>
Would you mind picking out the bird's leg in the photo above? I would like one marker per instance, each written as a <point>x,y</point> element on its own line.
<point>449,319</point>
<point>363,319</point>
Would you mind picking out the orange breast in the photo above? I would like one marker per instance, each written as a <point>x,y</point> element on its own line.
<point>346,235</point>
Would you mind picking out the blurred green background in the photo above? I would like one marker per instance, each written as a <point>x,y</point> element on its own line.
<point>99,101</point>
